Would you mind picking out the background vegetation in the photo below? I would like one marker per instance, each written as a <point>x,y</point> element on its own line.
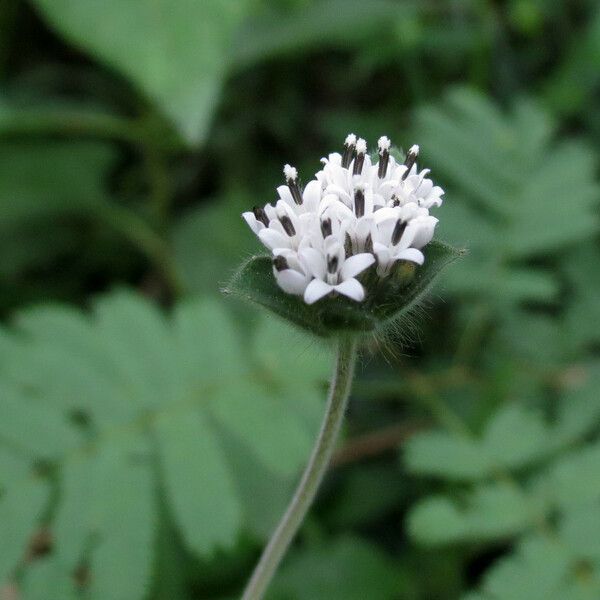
<point>151,431</point>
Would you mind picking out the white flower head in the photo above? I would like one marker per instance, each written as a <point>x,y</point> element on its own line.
<point>353,217</point>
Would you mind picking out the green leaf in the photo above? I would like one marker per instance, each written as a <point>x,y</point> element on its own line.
<point>49,179</point>
<point>220,222</point>
<point>494,511</point>
<point>175,52</point>
<point>316,24</point>
<point>578,410</point>
<point>255,283</point>
<point>583,310</point>
<point>21,507</point>
<point>516,437</point>
<point>513,439</point>
<point>518,477</point>
<point>538,339</point>
<point>535,572</point>
<point>573,84</point>
<point>361,571</point>
<point>41,183</point>
<point>194,490</point>
<point>500,170</point>
<point>579,530</point>
<point>441,454</point>
<point>121,517</point>
<point>32,427</point>
<point>44,579</point>
<point>573,481</point>
<point>542,568</point>
<point>127,401</point>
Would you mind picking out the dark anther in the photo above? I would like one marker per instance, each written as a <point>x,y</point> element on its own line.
<point>369,244</point>
<point>348,245</point>
<point>332,264</point>
<point>384,157</point>
<point>326,227</point>
<point>291,178</point>
<point>411,158</point>
<point>359,202</point>
<point>361,150</point>
<point>399,229</point>
<point>287,225</point>
<point>280,263</point>
<point>295,191</point>
<point>261,215</point>
<point>349,147</point>
<point>395,201</point>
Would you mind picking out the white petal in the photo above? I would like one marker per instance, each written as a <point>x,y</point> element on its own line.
<point>424,234</point>
<point>290,281</point>
<point>312,195</point>
<point>275,225</point>
<point>387,213</point>
<point>384,230</point>
<point>411,254</point>
<point>382,252</point>
<point>316,290</point>
<point>378,201</point>
<point>352,289</point>
<point>387,187</point>
<point>283,208</point>
<point>286,195</point>
<point>338,175</point>
<point>292,259</point>
<point>253,222</point>
<point>335,158</point>
<point>315,261</point>
<point>425,187</point>
<point>340,192</point>
<point>364,227</point>
<point>356,264</point>
<point>308,222</point>
<point>271,212</point>
<point>369,201</point>
<point>407,237</point>
<point>273,239</point>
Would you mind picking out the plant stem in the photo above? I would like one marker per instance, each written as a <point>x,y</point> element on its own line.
<point>339,391</point>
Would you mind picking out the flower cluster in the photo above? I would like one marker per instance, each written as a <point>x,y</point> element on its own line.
<point>353,215</point>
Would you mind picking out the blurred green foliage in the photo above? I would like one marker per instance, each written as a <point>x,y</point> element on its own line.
<point>151,432</point>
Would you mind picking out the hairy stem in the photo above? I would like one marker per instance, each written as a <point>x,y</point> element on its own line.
<point>339,391</point>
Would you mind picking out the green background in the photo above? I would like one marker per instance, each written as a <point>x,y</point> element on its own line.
<point>151,431</point>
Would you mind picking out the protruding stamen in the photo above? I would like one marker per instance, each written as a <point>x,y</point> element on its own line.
<point>399,230</point>
<point>383,148</point>
<point>261,215</point>
<point>361,150</point>
<point>349,146</point>
<point>290,173</point>
<point>411,159</point>
<point>359,201</point>
<point>291,178</point>
<point>287,225</point>
<point>326,227</point>
<point>332,264</point>
<point>395,200</point>
<point>369,244</point>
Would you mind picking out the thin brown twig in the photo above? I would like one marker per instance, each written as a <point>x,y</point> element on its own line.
<point>375,443</point>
